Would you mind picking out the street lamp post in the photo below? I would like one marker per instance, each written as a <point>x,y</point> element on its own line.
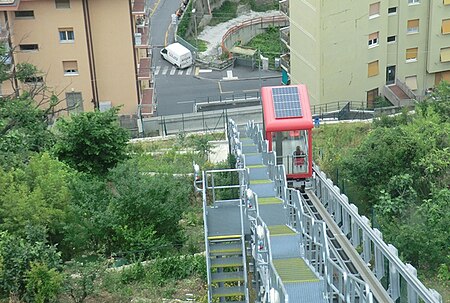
<point>195,27</point>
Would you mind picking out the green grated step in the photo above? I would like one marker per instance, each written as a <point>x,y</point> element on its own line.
<point>269,200</point>
<point>280,230</point>
<point>225,248</point>
<point>228,291</point>
<point>256,166</point>
<point>234,276</point>
<point>226,262</point>
<point>260,181</point>
<point>294,270</point>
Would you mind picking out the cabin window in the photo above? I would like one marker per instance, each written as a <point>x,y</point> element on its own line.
<point>291,148</point>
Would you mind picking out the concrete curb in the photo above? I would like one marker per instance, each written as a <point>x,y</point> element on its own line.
<point>238,79</point>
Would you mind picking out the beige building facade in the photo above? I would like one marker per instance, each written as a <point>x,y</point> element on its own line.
<point>356,50</point>
<point>93,53</point>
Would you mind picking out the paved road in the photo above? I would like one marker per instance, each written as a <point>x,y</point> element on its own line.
<point>176,91</point>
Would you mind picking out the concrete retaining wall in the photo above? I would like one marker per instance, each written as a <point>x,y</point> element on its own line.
<point>244,32</point>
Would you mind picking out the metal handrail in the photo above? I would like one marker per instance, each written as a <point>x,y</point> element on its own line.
<point>423,292</point>
<point>208,260</point>
<point>316,228</point>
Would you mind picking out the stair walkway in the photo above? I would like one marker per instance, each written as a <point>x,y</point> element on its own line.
<point>300,281</point>
<point>226,252</point>
<point>398,92</point>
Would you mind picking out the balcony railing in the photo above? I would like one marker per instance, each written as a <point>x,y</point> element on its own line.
<point>141,38</point>
<point>4,34</point>
<point>144,70</point>
<point>284,7</point>
<point>286,62</point>
<point>285,34</point>
<point>147,106</point>
<point>140,7</point>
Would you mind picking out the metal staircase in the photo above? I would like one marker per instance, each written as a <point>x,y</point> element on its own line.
<point>295,242</point>
<point>227,268</point>
<point>224,239</point>
<point>278,258</point>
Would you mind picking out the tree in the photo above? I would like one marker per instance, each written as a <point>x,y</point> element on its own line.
<point>43,283</point>
<point>38,195</point>
<point>24,114</point>
<point>130,213</point>
<point>438,102</point>
<point>385,152</point>
<point>16,256</point>
<point>91,142</point>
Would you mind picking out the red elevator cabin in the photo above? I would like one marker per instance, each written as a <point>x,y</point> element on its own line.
<point>288,128</point>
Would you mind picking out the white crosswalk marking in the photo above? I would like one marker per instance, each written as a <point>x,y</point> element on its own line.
<point>173,71</point>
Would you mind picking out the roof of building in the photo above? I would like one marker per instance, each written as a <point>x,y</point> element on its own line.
<point>9,5</point>
<point>295,113</point>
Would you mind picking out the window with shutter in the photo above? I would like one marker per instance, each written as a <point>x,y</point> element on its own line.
<point>411,54</point>
<point>373,69</point>
<point>374,10</point>
<point>413,26</point>
<point>70,68</point>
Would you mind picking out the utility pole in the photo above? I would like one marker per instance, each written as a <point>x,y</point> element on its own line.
<point>195,27</point>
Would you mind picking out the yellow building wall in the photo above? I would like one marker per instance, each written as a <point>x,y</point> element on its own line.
<point>43,30</point>
<point>113,49</point>
<point>112,42</point>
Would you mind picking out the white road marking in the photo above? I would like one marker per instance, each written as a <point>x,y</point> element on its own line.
<point>180,72</point>
<point>188,71</point>
<point>205,70</point>
<point>173,70</point>
<point>157,69</point>
<point>165,69</point>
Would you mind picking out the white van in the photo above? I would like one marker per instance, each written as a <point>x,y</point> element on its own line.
<point>177,54</point>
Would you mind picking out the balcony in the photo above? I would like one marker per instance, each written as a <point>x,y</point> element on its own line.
<point>285,33</point>
<point>141,38</point>
<point>142,21</point>
<point>284,7</point>
<point>147,102</point>
<point>4,34</point>
<point>140,7</point>
<point>144,70</point>
<point>286,62</point>
<point>9,5</point>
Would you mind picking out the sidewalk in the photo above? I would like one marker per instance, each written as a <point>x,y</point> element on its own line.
<point>235,73</point>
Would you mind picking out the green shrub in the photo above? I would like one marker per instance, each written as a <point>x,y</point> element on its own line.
<point>17,255</point>
<point>43,283</point>
<point>81,277</point>
<point>226,12</point>
<point>177,268</point>
<point>134,272</point>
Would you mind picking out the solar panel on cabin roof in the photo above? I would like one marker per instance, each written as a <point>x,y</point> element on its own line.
<point>286,102</point>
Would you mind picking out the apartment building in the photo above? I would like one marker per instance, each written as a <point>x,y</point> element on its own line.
<point>93,53</point>
<point>359,49</point>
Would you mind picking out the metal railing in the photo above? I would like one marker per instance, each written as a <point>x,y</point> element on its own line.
<point>278,21</point>
<point>314,245</point>
<point>284,7</point>
<point>405,88</point>
<point>207,184</point>
<point>356,227</point>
